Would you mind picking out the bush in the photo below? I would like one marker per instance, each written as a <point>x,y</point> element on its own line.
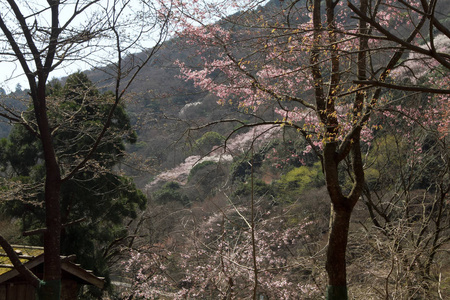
<point>209,140</point>
<point>171,192</point>
<point>260,188</point>
<point>298,180</point>
<point>198,167</point>
<point>204,180</point>
<point>242,167</point>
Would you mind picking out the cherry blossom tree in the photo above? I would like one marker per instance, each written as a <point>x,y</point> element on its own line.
<point>41,37</point>
<point>218,259</point>
<point>323,72</point>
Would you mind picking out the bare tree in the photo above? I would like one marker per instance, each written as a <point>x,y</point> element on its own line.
<point>408,220</point>
<point>43,37</point>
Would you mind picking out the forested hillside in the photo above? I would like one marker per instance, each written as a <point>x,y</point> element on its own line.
<point>291,150</point>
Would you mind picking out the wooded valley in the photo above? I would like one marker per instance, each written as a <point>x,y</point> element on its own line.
<point>294,149</point>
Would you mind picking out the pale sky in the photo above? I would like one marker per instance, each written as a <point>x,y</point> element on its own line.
<point>11,72</point>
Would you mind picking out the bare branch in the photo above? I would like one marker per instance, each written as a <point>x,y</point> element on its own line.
<point>407,88</point>
<point>14,258</point>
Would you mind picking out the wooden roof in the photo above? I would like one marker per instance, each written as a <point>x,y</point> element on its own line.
<point>32,257</point>
<point>26,253</point>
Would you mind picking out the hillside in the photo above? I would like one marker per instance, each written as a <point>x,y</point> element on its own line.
<point>239,199</point>
<point>163,106</point>
<point>269,203</point>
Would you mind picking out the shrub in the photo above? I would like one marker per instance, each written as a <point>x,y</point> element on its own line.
<point>171,192</point>
<point>300,179</point>
<point>260,188</point>
<point>242,167</point>
<point>198,167</point>
<point>209,140</point>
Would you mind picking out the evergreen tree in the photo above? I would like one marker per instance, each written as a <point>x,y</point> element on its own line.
<point>96,199</point>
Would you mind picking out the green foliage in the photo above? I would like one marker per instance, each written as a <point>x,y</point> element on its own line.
<point>19,151</point>
<point>288,152</point>
<point>260,189</point>
<point>209,140</point>
<point>199,167</point>
<point>242,167</point>
<point>95,195</point>
<point>385,154</point>
<point>88,111</point>
<point>301,179</point>
<point>371,177</point>
<point>204,180</point>
<point>171,192</point>
<point>105,209</point>
<point>390,158</point>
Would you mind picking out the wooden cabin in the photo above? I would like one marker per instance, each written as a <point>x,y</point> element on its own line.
<point>13,286</point>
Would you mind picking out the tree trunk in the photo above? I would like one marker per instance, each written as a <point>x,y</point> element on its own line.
<point>342,207</point>
<point>51,287</point>
<point>337,245</point>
